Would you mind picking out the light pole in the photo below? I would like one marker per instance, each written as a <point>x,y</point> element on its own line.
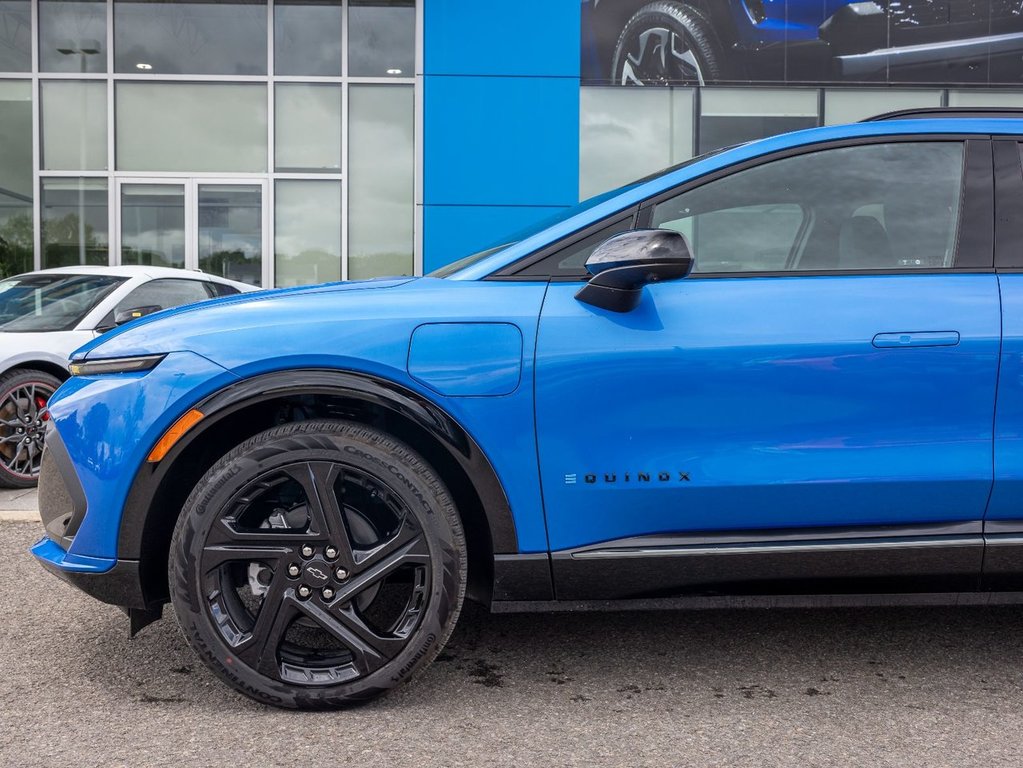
<point>83,49</point>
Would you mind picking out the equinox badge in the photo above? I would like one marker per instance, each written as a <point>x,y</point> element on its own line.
<point>639,477</point>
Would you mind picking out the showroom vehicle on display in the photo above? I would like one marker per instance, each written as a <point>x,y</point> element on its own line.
<point>695,42</point>
<point>767,376</point>
<point>46,315</point>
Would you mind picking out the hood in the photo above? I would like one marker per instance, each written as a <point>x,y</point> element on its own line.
<point>162,331</point>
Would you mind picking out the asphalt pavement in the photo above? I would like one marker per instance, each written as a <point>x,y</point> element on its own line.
<point>892,687</point>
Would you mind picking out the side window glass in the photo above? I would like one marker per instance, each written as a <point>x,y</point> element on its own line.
<point>881,206</point>
<point>219,289</point>
<point>570,260</point>
<point>165,293</point>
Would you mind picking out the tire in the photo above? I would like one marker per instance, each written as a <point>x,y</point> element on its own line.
<point>24,394</point>
<point>266,516</point>
<point>668,43</point>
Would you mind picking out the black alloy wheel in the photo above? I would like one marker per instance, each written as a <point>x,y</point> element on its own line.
<point>24,395</point>
<point>667,43</point>
<point>319,564</point>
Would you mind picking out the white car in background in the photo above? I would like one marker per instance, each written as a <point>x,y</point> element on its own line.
<point>46,315</point>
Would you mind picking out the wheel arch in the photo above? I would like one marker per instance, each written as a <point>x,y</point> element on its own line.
<point>59,372</point>
<point>246,408</point>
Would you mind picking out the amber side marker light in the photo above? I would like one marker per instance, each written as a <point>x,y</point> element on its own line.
<point>175,433</point>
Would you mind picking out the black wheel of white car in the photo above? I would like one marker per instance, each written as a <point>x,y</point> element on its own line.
<point>23,397</point>
<point>667,43</point>
<point>317,565</point>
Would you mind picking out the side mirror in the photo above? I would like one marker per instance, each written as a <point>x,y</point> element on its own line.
<point>624,263</point>
<point>127,315</point>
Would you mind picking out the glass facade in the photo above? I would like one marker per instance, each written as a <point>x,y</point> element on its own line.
<point>237,137</point>
<point>626,133</point>
<point>16,192</point>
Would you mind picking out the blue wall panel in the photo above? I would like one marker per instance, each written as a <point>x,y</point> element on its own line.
<point>501,120</point>
<point>454,231</point>
<point>501,140</point>
<point>483,37</point>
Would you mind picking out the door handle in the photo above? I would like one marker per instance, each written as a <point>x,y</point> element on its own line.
<point>916,339</point>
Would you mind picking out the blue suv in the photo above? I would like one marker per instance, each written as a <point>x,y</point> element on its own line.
<point>696,42</point>
<point>787,373</point>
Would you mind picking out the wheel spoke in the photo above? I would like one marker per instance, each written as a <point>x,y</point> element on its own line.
<point>226,532</point>
<point>368,656</point>
<point>318,479</point>
<point>259,648</point>
<point>215,555</point>
<point>413,551</point>
<point>407,533</point>
<point>388,647</point>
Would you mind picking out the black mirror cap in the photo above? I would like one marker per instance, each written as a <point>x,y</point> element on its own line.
<point>127,315</point>
<point>625,262</point>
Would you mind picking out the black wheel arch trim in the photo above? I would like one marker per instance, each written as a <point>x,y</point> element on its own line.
<point>367,388</point>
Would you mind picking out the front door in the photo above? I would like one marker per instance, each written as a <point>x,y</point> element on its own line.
<point>216,225</point>
<point>826,374</point>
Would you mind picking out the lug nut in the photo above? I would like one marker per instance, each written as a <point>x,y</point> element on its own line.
<point>341,574</point>
<point>331,552</point>
<point>307,551</point>
<point>304,591</point>
<point>294,570</point>
<point>328,593</point>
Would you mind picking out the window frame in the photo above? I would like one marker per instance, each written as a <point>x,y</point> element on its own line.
<point>1008,171</point>
<point>974,247</point>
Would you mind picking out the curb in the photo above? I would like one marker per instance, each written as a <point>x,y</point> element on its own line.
<point>19,516</point>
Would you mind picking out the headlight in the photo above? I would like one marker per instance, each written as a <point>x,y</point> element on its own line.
<point>115,365</point>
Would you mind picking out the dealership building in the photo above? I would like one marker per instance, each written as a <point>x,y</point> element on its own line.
<point>287,142</point>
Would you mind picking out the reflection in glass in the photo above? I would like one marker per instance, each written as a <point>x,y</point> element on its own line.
<point>307,132</point>
<point>735,115</point>
<point>624,134</point>
<point>15,36</point>
<point>976,97</point>
<point>191,127</point>
<point>15,177</point>
<point>72,36</point>
<point>161,38</point>
<point>850,105</point>
<point>74,222</point>
<point>74,125</point>
<point>380,187</point>
<point>153,224</point>
<point>381,38</point>
<point>307,38</point>
<point>307,233</point>
<point>231,231</point>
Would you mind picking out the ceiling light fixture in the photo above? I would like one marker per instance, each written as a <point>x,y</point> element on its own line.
<point>394,71</point>
<point>142,65</point>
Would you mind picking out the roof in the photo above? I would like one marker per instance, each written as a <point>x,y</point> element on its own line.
<point>131,270</point>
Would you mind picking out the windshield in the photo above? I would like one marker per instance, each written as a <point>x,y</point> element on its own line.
<point>563,215</point>
<point>51,302</point>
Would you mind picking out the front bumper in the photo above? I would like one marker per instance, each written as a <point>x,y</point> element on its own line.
<point>62,507</point>
<point>100,431</point>
<point>111,581</point>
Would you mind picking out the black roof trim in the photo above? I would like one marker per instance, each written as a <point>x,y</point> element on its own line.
<point>960,112</point>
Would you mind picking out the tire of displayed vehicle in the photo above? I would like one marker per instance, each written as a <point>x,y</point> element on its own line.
<point>24,394</point>
<point>668,43</point>
<point>317,565</point>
